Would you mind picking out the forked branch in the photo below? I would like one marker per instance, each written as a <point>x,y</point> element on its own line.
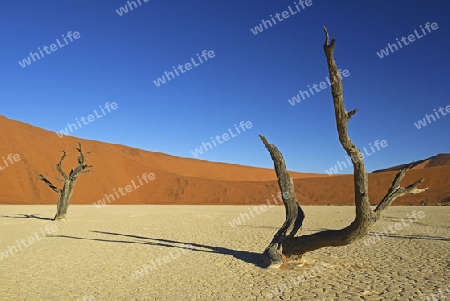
<point>82,167</point>
<point>397,191</point>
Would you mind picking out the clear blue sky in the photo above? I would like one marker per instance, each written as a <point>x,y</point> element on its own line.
<point>250,78</point>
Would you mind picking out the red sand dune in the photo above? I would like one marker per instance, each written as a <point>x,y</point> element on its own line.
<point>177,180</point>
<point>438,160</point>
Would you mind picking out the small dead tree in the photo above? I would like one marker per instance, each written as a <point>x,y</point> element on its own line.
<point>69,181</point>
<point>285,245</point>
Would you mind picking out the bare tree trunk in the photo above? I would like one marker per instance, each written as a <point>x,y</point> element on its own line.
<point>69,181</point>
<point>284,242</point>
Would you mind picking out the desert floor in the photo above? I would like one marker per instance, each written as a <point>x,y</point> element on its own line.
<point>193,253</point>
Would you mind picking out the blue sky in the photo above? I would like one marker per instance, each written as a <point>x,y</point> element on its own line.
<point>250,78</point>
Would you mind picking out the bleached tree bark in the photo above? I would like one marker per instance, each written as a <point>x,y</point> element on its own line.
<point>69,181</point>
<point>285,245</point>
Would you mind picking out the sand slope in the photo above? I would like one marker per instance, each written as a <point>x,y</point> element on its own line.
<point>177,180</point>
<point>438,160</point>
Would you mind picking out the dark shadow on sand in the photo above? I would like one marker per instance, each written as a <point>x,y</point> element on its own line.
<point>28,216</point>
<point>249,257</point>
<point>414,236</point>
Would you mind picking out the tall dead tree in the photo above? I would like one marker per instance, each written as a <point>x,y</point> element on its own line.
<point>285,245</point>
<point>69,181</point>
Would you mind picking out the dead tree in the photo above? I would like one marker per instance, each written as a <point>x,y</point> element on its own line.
<point>69,181</point>
<point>285,245</point>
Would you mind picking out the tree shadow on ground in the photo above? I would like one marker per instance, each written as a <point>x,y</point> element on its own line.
<point>405,236</point>
<point>246,256</point>
<point>28,216</point>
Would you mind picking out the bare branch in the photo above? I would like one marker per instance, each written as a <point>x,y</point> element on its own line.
<point>53,187</point>
<point>396,191</point>
<point>351,113</point>
<point>59,165</point>
<point>272,256</point>
<point>286,186</point>
<point>82,166</point>
<point>81,158</point>
<point>413,187</point>
<point>361,185</point>
<point>327,39</point>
